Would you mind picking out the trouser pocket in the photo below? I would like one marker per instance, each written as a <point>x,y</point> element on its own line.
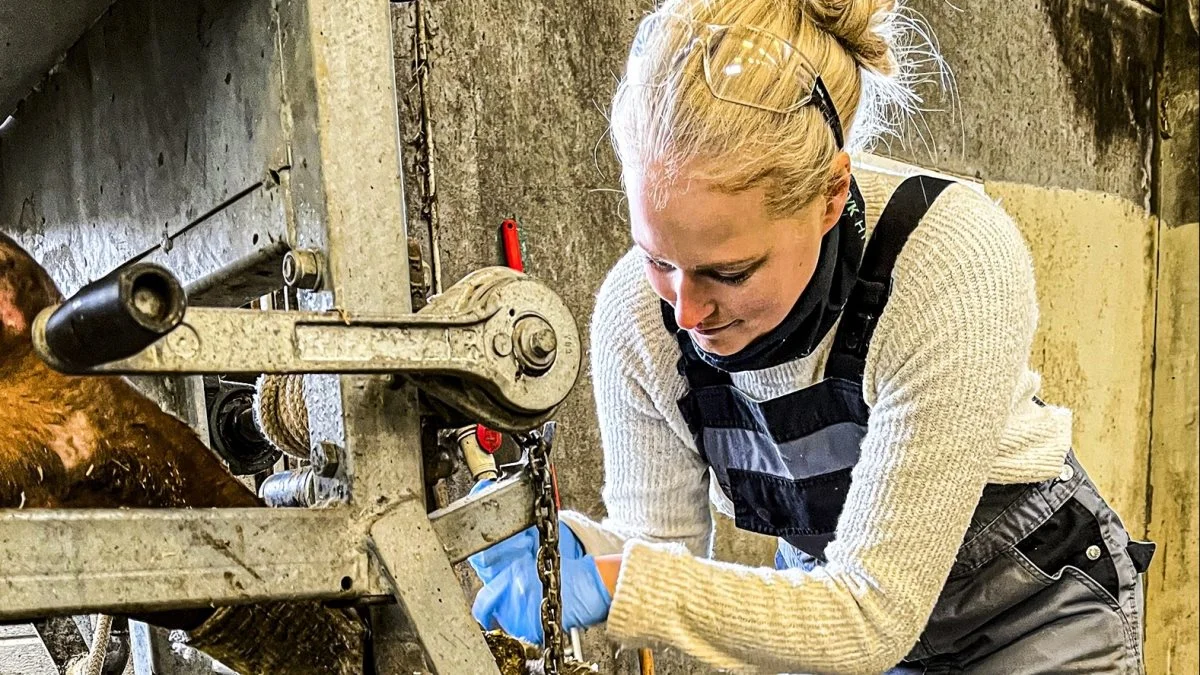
<point>1072,538</point>
<point>1085,542</point>
<point>1068,583</point>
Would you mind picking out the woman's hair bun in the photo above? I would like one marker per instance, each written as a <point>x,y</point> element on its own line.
<point>863,27</point>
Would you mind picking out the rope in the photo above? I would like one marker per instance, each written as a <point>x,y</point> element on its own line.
<point>281,414</point>
<point>95,663</point>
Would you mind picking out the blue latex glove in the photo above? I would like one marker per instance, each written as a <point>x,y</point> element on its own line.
<point>511,598</point>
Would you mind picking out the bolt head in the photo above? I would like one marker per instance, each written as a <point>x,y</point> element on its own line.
<point>544,342</point>
<point>326,459</point>
<point>536,344</point>
<point>302,269</point>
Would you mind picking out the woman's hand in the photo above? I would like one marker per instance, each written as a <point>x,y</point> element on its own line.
<point>609,567</point>
<point>511,597</point>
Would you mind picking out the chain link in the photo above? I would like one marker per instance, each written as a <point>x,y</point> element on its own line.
<point>548,561</point>
<point>421,67</point>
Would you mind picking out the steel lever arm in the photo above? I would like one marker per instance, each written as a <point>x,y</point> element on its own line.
<point>498,345</point>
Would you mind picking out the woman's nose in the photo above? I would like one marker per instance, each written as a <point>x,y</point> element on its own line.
<point>691,306</point>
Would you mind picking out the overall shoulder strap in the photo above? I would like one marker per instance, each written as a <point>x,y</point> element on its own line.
<point>900,217</point>
<point>698,373</point>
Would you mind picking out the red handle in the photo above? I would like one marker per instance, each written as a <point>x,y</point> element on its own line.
<point>512,245</point>
<point>489,439</point>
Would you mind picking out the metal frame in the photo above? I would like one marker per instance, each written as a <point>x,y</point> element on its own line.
<point>57,562</point>
<point>342,192</point>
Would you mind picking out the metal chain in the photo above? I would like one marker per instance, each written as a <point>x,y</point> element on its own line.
<point>548,562</point>
<point>425,162</point>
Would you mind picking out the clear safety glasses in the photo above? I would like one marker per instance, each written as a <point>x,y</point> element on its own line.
<point>742,64</point>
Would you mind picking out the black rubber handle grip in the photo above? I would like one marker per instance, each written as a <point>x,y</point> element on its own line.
<point>114,317</point>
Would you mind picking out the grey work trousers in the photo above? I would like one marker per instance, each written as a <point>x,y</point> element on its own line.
<point>1050,583</point>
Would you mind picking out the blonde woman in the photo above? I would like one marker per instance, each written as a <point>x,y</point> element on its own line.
<point>834,356</point>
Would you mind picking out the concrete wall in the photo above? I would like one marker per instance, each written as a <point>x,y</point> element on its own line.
<point>1172,506</point>
<point>1094,256</point>
<point>1054,112</point>
<point>1172,614</point>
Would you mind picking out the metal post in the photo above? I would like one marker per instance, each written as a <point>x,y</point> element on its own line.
<point>348,195</point>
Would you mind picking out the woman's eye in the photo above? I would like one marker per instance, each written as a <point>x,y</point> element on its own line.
<point>659,265</point>
<point>733,279</point>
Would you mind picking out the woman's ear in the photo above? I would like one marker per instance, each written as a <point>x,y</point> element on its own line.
<point>838,193</point>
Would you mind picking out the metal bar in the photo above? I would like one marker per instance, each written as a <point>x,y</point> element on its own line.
<point>429,205</point>
<point>152,652</point>
<point>482,336</point>
<point>347,200</point>
<point>139,560</point>
<point>141,649</point>
<point>215,340</point>
<point>62,562</point>
<point>425,583</point>
<point>474,523</point>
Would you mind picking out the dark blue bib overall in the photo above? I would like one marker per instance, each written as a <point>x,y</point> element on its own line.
<point>1034,554</point>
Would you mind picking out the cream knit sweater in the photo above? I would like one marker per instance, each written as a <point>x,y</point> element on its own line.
<point>950,390</point>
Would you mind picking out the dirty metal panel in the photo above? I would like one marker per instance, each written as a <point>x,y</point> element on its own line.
<point>33,35</point>
<point>22,651</point>
<point>58,562</point>
<point>161,116</point>
<point>236,254</point>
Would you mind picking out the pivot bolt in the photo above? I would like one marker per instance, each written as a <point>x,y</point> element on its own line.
<point>536,344</point>
<point>302,269</point>
<point>326,459</point>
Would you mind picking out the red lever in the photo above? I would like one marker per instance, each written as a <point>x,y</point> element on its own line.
<point>489,439</point>
<point>512,245</point>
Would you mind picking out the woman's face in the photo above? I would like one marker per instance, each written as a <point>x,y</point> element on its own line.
<point>731,271</point>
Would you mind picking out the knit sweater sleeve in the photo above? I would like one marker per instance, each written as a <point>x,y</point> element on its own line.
<point>655,483</point>
<point>941,378</point>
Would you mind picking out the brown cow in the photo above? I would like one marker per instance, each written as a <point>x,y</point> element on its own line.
<point>94,442</point>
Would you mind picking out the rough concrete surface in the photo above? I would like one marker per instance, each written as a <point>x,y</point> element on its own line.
<point>1174,511</point>
<point>1050,92</point>
<point>1094,262</point>
<point>1174,610</point>
<point>1179,105</point>
<point>33,35</point>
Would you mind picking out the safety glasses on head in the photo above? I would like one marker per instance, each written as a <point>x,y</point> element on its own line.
<point>742,64</point>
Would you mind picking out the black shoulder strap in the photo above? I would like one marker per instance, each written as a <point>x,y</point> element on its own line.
<point>698,373</point>
<point>900,217</point>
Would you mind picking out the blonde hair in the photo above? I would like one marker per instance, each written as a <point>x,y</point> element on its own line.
<point>666,121</point>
